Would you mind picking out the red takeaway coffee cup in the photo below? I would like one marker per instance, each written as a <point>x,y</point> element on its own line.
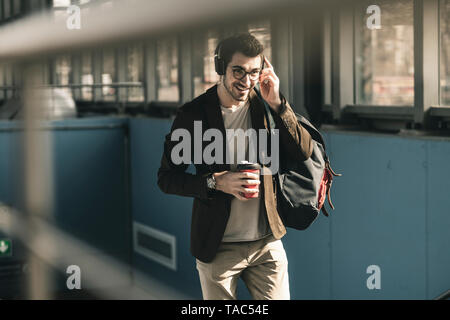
<point>253,168</point>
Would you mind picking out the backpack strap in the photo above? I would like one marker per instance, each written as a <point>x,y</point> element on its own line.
<point>315,134</point>
<point>271,123</point>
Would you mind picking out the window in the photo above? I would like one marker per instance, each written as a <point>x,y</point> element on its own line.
<point>384,57</point>
<point>6,9</point>
<point>204,71</point>
<point>36,5</point>
<point>61,3</point>
<point>135,72</point>
<point>327,59</point>
<point>16,7</point>
<point>261,31</point>
<point>59,9</point>
<point>109,75</point>
<point>167,70</point>
<point>87,77</point>
<point>63,72</point>
<point>445,51</point>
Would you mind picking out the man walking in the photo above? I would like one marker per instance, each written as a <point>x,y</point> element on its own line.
<point>233,235</point>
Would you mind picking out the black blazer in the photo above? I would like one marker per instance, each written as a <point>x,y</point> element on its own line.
<point>211,210</point>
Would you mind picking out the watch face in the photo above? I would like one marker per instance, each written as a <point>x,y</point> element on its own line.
<point>211,183</point>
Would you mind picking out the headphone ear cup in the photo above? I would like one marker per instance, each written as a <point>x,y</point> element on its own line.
<point>218,63</point>
<point>220,69</point>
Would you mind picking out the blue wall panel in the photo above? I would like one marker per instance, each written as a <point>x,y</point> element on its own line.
<point>89,183</point>
<point>5,165</point>
<point>308,254</point>
<point>168,213</point>
<point>380,216</point>
<point>438,222</point>
<point>10,176</point>
<point>9,161</point>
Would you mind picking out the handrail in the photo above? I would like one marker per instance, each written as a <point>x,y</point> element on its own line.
<point>96,85</point>
<point>42,34</point>
<point>81,85</point>
<point>56,127</point>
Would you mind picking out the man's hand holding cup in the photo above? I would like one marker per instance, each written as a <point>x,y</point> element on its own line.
<point>243,184</point>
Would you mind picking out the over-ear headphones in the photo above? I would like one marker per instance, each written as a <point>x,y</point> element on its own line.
<point>219,62</point>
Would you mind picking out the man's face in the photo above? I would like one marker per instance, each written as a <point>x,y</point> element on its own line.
<point>240,89</point>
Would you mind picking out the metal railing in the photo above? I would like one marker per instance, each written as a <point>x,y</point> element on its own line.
<point>30,41</point>
<point>134,19</point>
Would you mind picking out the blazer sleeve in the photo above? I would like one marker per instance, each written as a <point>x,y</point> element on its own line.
<point>173,178</point>
<point>295,139</point>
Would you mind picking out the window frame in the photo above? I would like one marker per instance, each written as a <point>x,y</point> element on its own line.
<point>426,68</point>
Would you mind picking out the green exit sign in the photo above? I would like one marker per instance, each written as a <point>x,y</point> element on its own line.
<point>5,248</point>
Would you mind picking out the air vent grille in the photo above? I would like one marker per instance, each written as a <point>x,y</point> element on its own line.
<point>154,244</point>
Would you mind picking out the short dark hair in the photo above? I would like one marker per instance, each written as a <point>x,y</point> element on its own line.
<point>244,43</point>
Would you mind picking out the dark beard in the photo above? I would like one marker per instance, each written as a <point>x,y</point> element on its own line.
<point>230,91</point>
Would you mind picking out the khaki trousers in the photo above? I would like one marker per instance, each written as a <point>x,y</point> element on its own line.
<point>261,264</point>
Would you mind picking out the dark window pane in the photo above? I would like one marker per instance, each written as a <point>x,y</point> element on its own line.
<point>63,69</point>
<point>87,76</point>
<point>135,72</point>
<point>261,31</point>
<point>6,9</point>
<point>167,69</point>
<point>205,74</point>
<point>109,74</point>
<point>16,8</point>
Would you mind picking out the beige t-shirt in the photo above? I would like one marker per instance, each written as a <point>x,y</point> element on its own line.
<point>248,221</point>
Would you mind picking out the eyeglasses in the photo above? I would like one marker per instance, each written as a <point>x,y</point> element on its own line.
<point>239,73</point>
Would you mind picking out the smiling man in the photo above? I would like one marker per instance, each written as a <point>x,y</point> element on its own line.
<point>233,235</point>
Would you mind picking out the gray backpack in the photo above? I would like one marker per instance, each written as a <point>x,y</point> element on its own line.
<point>303,185</point>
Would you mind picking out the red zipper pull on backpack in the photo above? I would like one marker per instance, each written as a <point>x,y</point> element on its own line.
<point>328,192</point>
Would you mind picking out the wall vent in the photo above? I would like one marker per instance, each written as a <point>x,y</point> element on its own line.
<point>155,245</point>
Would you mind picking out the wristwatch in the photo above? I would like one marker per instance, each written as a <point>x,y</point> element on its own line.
<point>211,181</point>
